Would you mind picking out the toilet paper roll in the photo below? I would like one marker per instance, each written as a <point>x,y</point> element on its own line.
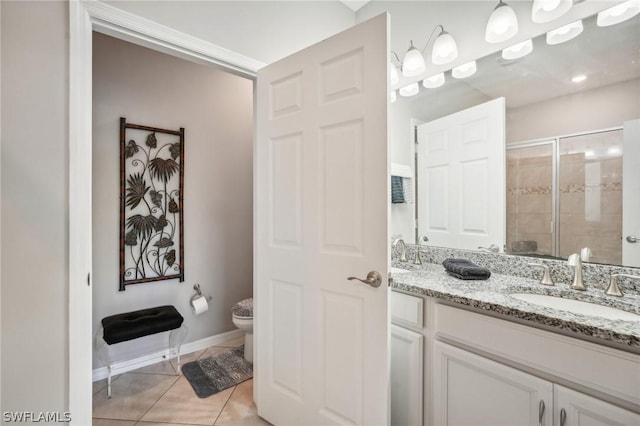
<point>199,305</point>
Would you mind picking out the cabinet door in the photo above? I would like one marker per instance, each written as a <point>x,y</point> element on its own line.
<point>577,409</point>
<point>472,390</point>
<point>406,377</point>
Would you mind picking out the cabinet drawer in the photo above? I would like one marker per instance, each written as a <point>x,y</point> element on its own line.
<point>406,310</point>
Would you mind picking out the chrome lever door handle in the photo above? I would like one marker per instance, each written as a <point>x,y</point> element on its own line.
<point>374,279</point>
<point>632,239</point>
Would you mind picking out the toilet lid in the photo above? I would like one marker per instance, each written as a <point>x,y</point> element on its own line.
<point>243,308</point>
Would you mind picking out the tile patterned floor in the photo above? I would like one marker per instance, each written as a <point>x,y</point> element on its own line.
<point>156,396</point>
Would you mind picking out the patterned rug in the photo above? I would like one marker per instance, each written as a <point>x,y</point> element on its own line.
<point>218,372</point>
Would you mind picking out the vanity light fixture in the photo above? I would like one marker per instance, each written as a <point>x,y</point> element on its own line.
<point>413,62</point>
<point>547,10</point>
<point>393,97</point>
<point>445,50</point>
<point>565,33</point>
<point>518,50</point>
<point>618,13</point>
<point>409,90</point>
<point>434,81</point>
<point>464,70</point>
<point>502,24</point>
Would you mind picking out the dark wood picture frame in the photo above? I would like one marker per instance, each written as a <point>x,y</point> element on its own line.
<point>151,204</point>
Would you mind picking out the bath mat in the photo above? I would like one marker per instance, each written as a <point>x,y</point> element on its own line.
<point>218,372</point>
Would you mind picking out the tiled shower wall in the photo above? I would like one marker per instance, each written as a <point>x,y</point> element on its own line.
<point>590,203</point>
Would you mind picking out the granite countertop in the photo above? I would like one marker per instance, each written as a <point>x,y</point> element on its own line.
<point>493,295</point>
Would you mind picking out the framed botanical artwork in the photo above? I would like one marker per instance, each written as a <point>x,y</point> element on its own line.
<point>151,204</point>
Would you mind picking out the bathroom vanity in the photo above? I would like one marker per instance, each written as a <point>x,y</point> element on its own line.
<point>473,353</point>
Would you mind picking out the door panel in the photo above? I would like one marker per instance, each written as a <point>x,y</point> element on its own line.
<point>321,211</point>
<point>461,172</point>
<point>583,410</point>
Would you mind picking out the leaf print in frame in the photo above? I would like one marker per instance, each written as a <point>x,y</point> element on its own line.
<point>151,204</point>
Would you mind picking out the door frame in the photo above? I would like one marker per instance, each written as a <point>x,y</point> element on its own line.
<point>85,17</point>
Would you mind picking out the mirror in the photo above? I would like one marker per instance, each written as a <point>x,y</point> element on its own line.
<point>568,134</point>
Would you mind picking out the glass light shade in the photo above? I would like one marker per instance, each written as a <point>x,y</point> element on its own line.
<point>445,49</point>
<point>518,50</point>
<point>618,13</point>
<point>464,70</point>
<point>434,81</point>
<point>502,25</point>
<point>413,63</point>
<point>393,96</point>
<point>393,74</point>
<point>566,33</point>
<point>547,10</point>
<point>409,90</point>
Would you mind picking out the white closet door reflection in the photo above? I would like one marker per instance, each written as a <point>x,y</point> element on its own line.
<point>530,200</point>
<point>590,184</point>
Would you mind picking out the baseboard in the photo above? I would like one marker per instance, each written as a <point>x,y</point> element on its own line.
<point>142,361</point>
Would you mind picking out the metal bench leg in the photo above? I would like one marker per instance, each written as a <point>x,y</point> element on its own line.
<point>102,350</point>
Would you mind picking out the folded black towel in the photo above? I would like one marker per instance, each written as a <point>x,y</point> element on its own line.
<point>465,269</point>
<point>397,190</point>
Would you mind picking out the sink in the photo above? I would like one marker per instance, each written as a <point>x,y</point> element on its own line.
<point>398,270</point>
<point>577,306</point>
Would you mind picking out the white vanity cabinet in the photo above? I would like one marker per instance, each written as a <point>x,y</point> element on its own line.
<point>573,408</point>
<point>407,359</point>
<point>472,390</point>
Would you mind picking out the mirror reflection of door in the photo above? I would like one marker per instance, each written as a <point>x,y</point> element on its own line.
<point>461,178</point>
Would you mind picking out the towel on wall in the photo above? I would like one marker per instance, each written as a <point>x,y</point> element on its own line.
<point>465,269</point>
<point>397,190</point>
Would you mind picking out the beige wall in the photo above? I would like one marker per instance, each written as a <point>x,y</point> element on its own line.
<point>34,206</point>
<point>597,109</point>
<point>216,110</point>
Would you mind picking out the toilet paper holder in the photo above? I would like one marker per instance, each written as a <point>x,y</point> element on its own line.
<point>196,287</point>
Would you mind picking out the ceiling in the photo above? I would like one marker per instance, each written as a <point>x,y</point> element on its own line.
<point>355,5</point>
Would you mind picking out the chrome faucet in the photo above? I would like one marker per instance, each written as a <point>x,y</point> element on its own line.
<point>416,259</point>
<point>403,249</point>
<point>578,282</point>
<point>613,289</point>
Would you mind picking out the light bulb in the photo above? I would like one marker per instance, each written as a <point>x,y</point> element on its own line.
<point>409,90</point>
<point>445,49</point>
<point>502,25</point>
<point>619,13</point>
<point>464,70</point>
<point>547,10</point>
<point>518,50</point>
<point>433,81</point>
<point>413,62</point>
<point>565,33</point>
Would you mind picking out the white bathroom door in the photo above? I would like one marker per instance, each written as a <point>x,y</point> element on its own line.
<point>321,211</point>
<point>631,193</point>
<point>461,178</point>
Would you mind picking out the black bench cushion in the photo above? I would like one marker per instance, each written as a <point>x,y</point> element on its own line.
<point>131,325</point>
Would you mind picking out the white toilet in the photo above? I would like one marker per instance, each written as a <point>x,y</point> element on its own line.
<point>243,319</point>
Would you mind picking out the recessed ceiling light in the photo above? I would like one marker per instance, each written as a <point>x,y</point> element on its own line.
<point>579,78</point>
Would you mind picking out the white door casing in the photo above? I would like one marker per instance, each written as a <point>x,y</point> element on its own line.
<point>461,178</point>
<point>321,211</point>
<point>631,193</point>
